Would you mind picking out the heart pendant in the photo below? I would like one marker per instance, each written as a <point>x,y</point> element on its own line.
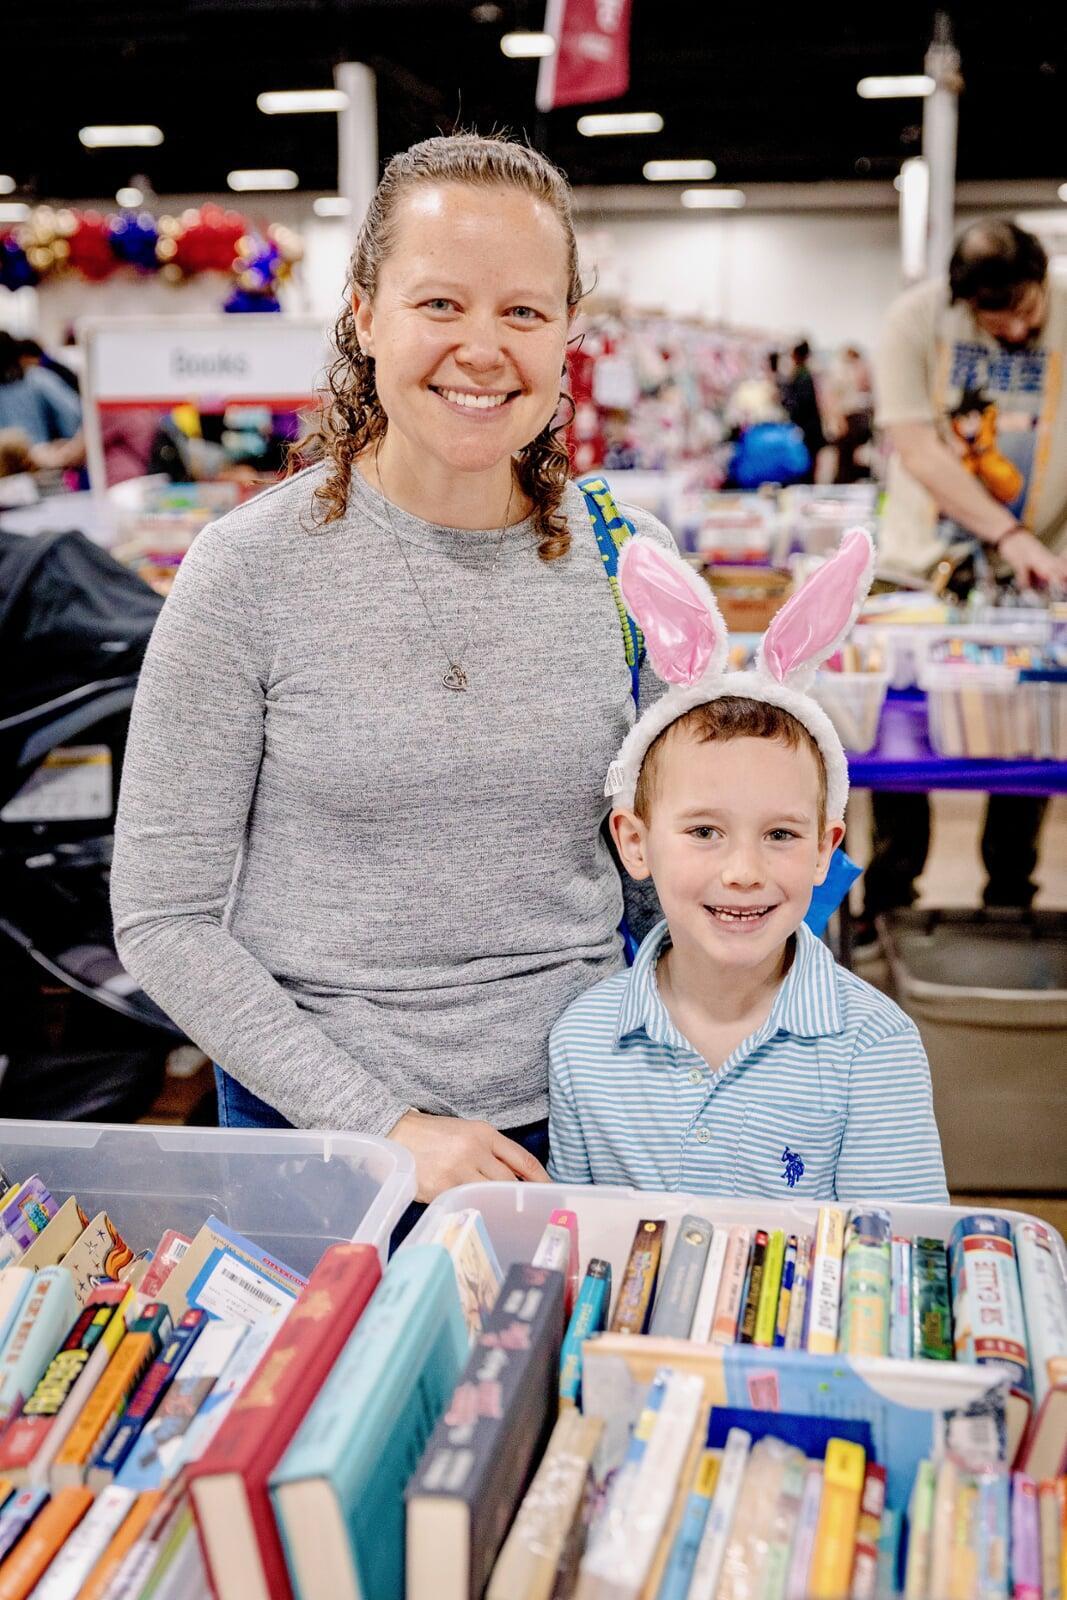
<point>455,677</point>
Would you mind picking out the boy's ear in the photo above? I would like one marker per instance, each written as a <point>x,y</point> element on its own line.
<point>833,835</point>
<point>629,834</point>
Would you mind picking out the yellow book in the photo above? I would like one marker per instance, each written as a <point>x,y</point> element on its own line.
<point>943,1529</point>
<point>824,1287</point>
<point>109,1399</point>
<point>835,1537</point>
<point>767,1309</point>
<point>963,1572</point>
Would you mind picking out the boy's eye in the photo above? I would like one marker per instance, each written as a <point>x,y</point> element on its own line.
<point>703,832</point>
<point>779,834</point>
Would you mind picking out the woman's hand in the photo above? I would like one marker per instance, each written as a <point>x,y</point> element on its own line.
<point>450,1151</point>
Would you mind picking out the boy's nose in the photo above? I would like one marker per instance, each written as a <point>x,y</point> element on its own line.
<point>742,867</point>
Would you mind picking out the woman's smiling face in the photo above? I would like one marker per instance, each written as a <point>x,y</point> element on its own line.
<point>468,326</point>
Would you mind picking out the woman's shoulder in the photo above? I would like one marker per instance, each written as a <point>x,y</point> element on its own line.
<point>285,509</point>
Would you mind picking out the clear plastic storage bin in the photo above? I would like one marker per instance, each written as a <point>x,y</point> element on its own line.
<point>981,712</point>
<point>853,701</point>
<point>516,1214</point>
<point>292,1193</point>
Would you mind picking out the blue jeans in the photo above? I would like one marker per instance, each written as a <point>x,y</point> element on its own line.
<point>240,1108</point>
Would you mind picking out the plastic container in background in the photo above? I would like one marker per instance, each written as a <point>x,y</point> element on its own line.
<point>980,713</point>
<point>1049,703</point>
<point>853,701</point>
<point>292,1193</point>
<point>516,1214</point>
<point>988,992</point>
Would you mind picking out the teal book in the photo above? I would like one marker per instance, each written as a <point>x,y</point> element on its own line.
<point>338,1491</point>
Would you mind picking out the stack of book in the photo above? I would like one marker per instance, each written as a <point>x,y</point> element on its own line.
<point>721,1417</point>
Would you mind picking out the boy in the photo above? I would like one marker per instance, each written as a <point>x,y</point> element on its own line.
<point>736,1057</point>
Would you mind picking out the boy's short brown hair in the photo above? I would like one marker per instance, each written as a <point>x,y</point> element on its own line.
<point>731,717</point>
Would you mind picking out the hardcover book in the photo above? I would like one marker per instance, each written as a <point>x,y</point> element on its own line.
<point>338,1490</point>
<point>46,1312</point>
<point>482,1453</point>
<point>229,1484</point>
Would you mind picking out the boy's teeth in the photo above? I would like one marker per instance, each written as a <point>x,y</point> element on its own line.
<point>732,915</point>
<point>481,402</point>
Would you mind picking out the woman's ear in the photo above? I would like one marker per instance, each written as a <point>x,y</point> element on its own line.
<point>630,834</point>
<point>833,835</point>
<point>363,314</point>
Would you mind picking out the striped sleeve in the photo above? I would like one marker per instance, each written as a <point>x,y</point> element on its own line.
<point>568,1158</point>
<point>891,1148</point>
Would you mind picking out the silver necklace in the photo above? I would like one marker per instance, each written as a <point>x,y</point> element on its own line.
<point>455,677</point>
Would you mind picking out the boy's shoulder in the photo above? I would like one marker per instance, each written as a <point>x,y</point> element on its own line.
<point>866,1011</point>
<point>594,1014</point>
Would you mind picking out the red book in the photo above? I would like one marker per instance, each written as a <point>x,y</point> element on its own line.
<point>228,1484</point>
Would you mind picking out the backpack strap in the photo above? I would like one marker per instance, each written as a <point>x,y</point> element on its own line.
<point>612,531</point>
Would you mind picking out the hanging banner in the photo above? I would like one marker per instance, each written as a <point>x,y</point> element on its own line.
<point>591,60</point>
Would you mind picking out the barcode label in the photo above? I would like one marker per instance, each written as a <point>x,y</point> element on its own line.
<point>232,1288</point>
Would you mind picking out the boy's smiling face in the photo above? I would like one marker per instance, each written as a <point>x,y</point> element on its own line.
<point>734,844</point>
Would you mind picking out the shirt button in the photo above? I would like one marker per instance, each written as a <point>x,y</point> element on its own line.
<point>703,1135</point>
<point>696,1076</point>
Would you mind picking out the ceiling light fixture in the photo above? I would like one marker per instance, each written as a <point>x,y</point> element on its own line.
<point>1062,191</point>
<point>110,136</point>
<point>523,46</point>
<point>331,205</point>
<point>604,122</point>
<point>7,183</point>
<point>918,86</point>
<point>262,178</point>
<point>14,211</point>
<point>129,198</point>
<point>713,199</point>
<point>675,171</point>
<point>286,102</point>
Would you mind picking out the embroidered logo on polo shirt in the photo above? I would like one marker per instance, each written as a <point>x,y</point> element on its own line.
<point>794,1167</point>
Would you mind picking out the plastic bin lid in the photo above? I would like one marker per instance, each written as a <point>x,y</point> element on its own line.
<point>1024,951</point>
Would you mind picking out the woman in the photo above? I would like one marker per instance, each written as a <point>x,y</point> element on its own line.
<point>358,855</point>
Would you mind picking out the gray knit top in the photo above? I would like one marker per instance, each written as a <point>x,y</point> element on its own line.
<point>358,891</point>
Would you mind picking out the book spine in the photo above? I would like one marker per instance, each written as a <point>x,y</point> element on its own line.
<point>704,1315</point>
<point>930,1302</point>
<point>734,1273</point>
<point>994,1532</point>
<point>155,1455</point>
<point>887,1583</point>
<point>101,1576</point>
<point>767,1309</point>
<point>169,1251</point>
<point>18,1515</point>
<point>1049,1519</point>
<point>943,1528</point>
<point>787,1513</point>
<point>41,1544</point>
<point>900,1330</point>
<point>672,1316</point>
<point>612,1525</point>
<point>86,1545</point>
<point>224,1394</point>
<point>28,1214</point>
<point>835,1539</point>
<point>48,1310</point>
<point>785,1298</point>
<point>1025,1539</point>
<point>569,1220</point>
<point>746,1331</point>
<point>590,1317</point>
<point>920,1528</point>
<point>824,1287</point>
<point>868,1531</point>
<point>678,1573</point>
<point>865,1289</point>
<point>1044,1295</point>
<point>796,1335</point>
<point>149,1393</point>
<point>987,1300</point>
<point>963,1571</point>
<point>553,1251</point>
<point>104,1408</point>
<point>796,1585</point>
<point>634,1306</point>
<point>712,1549</point>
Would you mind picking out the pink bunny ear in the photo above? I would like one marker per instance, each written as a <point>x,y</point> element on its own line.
<point>684,633</point>
<point>813,623</point>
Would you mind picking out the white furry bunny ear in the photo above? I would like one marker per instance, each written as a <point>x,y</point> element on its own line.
<point>685,635</point>
<point>812,624</point>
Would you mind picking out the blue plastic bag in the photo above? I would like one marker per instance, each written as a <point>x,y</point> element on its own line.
<point>769,452</point>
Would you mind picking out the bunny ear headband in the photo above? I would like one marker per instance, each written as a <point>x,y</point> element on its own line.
<point>687,645</point>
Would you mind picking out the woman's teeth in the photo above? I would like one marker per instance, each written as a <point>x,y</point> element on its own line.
<point>480,402</point>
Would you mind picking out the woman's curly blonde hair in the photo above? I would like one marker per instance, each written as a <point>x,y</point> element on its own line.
<point>352,418</point>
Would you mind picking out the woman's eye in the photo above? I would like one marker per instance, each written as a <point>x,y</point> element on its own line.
<point>525,313</point>
<point>440,304</point>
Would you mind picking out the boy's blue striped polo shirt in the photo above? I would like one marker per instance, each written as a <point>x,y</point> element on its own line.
<point>829,1099</point>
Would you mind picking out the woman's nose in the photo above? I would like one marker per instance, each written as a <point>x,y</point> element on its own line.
<point>480,347</point>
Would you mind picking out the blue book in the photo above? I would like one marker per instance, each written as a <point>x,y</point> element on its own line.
<point>810,1434</point>
<point>678,1573</point>
<point>888,1581</point>
<point>338,1492</point>
<point>590,1316</point>
<point>142,1407</point>
<point>676,1298</point>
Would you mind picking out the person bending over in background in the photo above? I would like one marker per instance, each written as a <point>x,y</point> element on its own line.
<point>969,388</point>
<point>40,404</point>
<point>736,1056</point>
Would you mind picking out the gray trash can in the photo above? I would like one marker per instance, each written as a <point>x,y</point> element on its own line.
<point>988,991</point>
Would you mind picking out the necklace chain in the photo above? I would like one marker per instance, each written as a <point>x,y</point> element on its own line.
<point>456,677</point>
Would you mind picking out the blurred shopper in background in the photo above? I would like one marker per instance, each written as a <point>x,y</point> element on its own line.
<point>41,406</point>
<point>970,393</point>
<point>802,404</point>
<point>848,397</point>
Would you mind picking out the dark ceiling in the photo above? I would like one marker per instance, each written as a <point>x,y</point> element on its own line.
<point>767,91</point>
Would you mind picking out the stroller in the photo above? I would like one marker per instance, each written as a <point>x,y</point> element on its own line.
<point>78,1039</point>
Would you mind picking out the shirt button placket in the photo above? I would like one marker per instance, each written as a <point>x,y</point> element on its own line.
<point>703,1135</point>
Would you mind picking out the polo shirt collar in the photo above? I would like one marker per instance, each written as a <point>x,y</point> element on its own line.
<point>806,1004</point>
